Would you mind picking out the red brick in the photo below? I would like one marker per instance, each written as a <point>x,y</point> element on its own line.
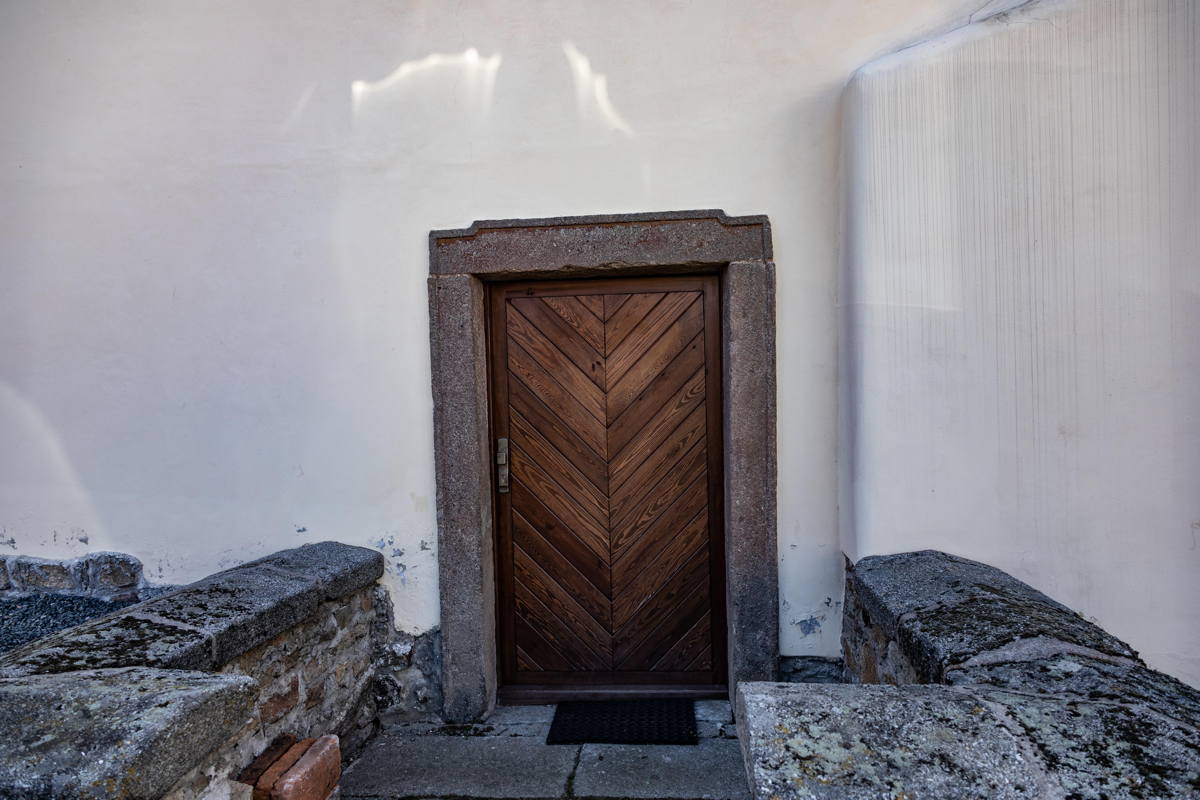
<point>314,776</point>
<point>275,707</point>
<point>282,743</point>
<point>262,789</point>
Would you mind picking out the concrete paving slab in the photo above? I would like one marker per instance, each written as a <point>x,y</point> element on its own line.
<point>712,770</point>
<point>714,711</point>
<point>441,766</point>
<point>716,730</point>
<point>521,715</point>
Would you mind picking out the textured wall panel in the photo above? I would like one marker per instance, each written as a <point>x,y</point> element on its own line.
<point>1023,301</point>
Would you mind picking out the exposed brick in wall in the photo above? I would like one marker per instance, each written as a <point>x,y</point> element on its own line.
<point>313,679</point>
<point>198,681</point>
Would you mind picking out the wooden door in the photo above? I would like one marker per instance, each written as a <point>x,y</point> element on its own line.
<point>610,556</point>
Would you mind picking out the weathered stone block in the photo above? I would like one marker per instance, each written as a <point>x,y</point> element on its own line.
<point>31,574</point>
<point>123,733</point>
<point>810,669</point>
<point>888,587</point>
<point>338,569</point>
<point>1073,676</point>
<point>938,638</point>
<point>125,639</point>
<point>821,741</point>
<point>943,611</point>
<point>842,741</point>
<point>239,608</point>
<point>112,575</point>
<point>1101,749</point>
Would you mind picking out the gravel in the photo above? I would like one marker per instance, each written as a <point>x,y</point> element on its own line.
<point>23,619</point>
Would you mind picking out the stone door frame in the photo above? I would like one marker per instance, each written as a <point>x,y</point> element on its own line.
<point>738,249</point>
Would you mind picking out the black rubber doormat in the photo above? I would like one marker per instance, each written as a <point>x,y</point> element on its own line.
<point>668,721</point>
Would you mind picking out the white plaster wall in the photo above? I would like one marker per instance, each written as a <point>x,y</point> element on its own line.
<point>1024,309</point>
<point>213,220</point>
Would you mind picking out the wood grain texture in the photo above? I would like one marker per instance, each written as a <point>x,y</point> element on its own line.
<point>609,549</point>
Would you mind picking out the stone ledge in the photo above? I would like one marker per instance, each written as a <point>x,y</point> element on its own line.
<point>206,624</point>
<point>944,610</point>
<point>844,741</point>
<point>1035,701</point>
<point>113,733</point>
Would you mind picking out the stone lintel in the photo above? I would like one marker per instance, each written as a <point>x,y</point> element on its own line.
<point>572,246</point>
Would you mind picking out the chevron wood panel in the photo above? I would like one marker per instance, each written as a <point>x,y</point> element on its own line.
<point>607,552</point>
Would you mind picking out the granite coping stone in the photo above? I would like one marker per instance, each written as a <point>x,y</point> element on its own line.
<point>858,741</point>
<point>339,569</point>
<point>113,733</point>
<point>1072,676</point>
<point>121,639</point>
<point>1105,750</point>
<point>922,741</point>
<point>893,586</point>
<point>206,624</point>
<point>945,610</point>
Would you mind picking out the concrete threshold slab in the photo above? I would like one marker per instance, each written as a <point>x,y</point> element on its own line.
<point>711,770</point>
<point>454,766</point>
<point>507,757</point>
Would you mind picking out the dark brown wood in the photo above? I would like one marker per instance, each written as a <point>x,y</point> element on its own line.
<point>595,568</point>
<point>692,645</point>
<point>609,547</point>
<point>626,317</point>
<point>685,369</point>
<point>586,494</point>
<point>637,584</point>
<point>565,337</point>
<point>551,360</point>
<point>594,303</point>
<point>533,695</point>
<point>559,433</point>
<point>647,331</point>
<point>612,302</point>
<point>580,317</point>
<point>584,420</point>
<point>659,355</point>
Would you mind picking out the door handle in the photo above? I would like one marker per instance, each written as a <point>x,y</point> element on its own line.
<point>502,466</point>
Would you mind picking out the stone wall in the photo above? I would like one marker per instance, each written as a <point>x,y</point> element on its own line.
<point>810,669</point>
<point>104,575</point>
<point>408,667</point>
<point>285,644</point>
<point>927,617</point>
<point>310,680</point>
<point>1023,698</point>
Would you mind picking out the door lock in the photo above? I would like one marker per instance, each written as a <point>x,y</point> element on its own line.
<point>502,466</point>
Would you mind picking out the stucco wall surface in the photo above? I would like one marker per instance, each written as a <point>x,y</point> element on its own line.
<point>1023,309</point>
<point>213,222</point>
